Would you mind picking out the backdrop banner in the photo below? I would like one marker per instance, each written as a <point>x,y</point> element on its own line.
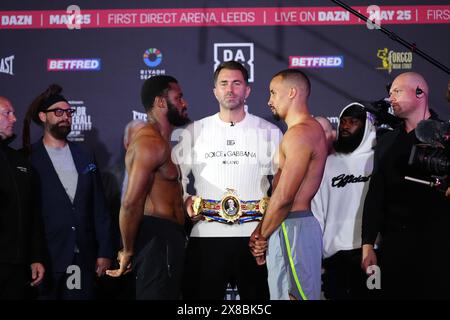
<point>101,52</point>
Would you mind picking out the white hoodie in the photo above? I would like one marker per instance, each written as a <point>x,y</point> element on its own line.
<point>339,202</point>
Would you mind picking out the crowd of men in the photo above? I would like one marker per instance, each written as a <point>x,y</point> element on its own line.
<point>281,217</point>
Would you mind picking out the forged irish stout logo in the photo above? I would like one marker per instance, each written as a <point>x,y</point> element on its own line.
<point>239,52</point>
<point>394,60</point>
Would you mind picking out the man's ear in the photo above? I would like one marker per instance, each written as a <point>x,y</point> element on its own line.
<point>160,102</point>
<point>247,91</point>
<point>292,92</point>
<point>42,116</point>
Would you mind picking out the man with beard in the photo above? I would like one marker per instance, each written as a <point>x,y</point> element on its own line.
<point>152,214</point>
<point>76,218</point>
<point>22,233</point>
<point>230,157</point>
<point>294,250</point>
<point>339,201</point>
<point>411,218</point>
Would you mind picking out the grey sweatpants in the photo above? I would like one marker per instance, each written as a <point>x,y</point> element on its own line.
<point>305,241</point>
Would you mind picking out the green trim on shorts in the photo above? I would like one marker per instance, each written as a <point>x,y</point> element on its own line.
<point>291,262</point>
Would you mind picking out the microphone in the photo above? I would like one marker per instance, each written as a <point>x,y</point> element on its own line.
<point>380,109</point>
<point>232,124</point>
<point>376,107</point>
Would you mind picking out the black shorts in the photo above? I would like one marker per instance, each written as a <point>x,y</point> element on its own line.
<point>159,260</point>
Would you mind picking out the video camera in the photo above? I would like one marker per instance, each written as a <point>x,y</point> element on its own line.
<point>433,155</point>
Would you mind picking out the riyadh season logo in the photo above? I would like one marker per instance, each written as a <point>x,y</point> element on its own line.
<point>6,65</point>
<point>81,121</point>
<point>394,60</point>
<point>152,58</point>
<point>239,52</point>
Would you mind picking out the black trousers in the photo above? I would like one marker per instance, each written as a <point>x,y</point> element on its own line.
<point>14,281</point>
<point>212,263</point>
<point>344,278</point>
<point>414,265</point>
<point>55,285</point>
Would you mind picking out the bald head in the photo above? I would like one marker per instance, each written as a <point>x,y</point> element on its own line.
<point>330,132</point>
<point>409,98</point>
<point>296,78</point>
<point>325,123</point>
<point>7,118</point>
<point>4,101</point>
<point>413,80</point>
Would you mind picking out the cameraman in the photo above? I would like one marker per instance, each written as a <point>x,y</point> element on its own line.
<point>412,219</point>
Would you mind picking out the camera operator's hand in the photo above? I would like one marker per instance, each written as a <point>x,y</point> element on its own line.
<point>369,257</point>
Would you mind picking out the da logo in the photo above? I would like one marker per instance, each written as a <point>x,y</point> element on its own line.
<point>394,60</point>
<point>239,52</point>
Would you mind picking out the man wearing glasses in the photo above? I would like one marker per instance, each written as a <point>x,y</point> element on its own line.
<point>76,218</point>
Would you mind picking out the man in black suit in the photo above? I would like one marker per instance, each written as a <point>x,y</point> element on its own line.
<point>412,219</point>
<point>21,231</point>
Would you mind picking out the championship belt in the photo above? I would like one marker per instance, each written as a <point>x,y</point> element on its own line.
<point>230,206</point>
<point>230,209</point>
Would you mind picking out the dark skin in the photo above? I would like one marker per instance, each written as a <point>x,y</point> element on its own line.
<point>154,186</point>
<point>349,125</point>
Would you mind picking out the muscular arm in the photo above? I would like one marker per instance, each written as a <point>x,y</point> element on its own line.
<point>275,180</point>
<point>297,151</point>
<point>148,153</point>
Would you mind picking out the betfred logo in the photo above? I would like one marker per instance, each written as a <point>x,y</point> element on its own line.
<point>73,65</point>
<point>316,62</point>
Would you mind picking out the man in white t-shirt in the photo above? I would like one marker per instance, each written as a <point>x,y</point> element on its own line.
<point>339,202</point>
<point>230,157</point>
